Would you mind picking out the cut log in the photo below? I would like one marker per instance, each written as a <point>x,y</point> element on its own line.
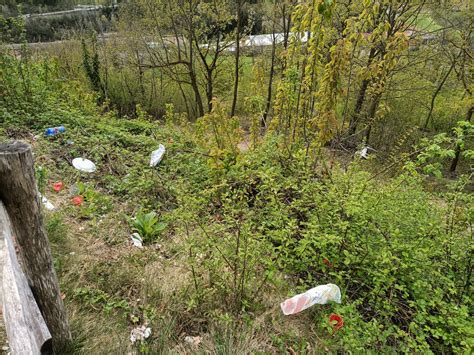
<point>19,194</point>
<point>26,330</point>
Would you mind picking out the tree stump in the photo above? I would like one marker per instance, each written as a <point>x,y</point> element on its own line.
<point>19,193</point>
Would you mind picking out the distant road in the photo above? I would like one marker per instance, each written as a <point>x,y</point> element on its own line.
<point>77,9</point>
<point>38,45</point>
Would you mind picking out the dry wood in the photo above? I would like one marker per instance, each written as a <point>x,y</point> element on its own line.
<point>19,193</point>
<point>26,330</point>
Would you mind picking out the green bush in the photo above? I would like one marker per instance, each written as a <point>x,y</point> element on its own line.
<point>397,252</point>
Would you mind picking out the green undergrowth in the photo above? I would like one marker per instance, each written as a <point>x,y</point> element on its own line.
<point>239,233</point>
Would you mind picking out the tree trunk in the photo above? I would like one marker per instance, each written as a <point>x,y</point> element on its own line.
<point>455,161</point>
<point>270,81</point>
<point>209,90</point>
<point>193,76</point>
<point>360,98</point>
<point>19,194</point>
<point>141,76</point>
<point>435,94</point>
<point>286,24</point>
<point>372,111</point>
<point>197,94</point>
<point>237,57</point>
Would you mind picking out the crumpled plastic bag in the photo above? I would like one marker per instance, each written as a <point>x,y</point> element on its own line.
<point>157,155</point>
<point>365,151</point>
<point>137,241</point>
<point>318,295</point>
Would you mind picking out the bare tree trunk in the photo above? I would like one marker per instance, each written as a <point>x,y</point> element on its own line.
<point>270,80</point>
<point>194,83</point>
<point>360,98</point>
<point>209,90</point>
<point>140,76</point>
<point>19,194</point>
<point>435,94</point>
<point>457,155</point>
<point>286,24</point>
<point>191,69</point>
<point>237,57</point>
<point>372,111</point>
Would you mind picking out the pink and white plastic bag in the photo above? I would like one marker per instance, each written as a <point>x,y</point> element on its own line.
<point>318,295</point>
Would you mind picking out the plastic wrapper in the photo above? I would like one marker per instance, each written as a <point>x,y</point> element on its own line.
<point>318,295</point>
<point>157,155</point>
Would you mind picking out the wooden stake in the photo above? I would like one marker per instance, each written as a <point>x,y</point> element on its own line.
<point>19,193</point>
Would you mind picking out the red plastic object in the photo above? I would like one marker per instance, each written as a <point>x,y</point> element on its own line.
<point>58,186</point>
<point>336,321</point>
<point>77,200</point>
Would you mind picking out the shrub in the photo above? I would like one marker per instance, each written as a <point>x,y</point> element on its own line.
<point>397,251</point>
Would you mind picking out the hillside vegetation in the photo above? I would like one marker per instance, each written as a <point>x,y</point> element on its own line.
<point>263,192</point>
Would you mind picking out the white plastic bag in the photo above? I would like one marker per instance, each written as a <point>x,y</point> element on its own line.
<point>318,295</point>
<point>137,241</point>
<point>157,155</point>
<point>365,152</point>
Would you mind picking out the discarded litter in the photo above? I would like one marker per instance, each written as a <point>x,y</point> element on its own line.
<point>83,165</point>
<point>318,295</point>
<point>336,321</point>
<point>57,186</point>
<point>194,341</point>
<point>157,155</point>
<point>77,200</point>
<point>52,131</point>
<point>140,334</point>
<point>137,241</point>
<point>47,204</point>
<point>364,152</point>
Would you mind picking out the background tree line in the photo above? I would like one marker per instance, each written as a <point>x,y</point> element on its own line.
<point>392,72</point>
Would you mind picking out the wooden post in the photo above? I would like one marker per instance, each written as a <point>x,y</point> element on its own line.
<point>26,329</point>
<point>19,193</point>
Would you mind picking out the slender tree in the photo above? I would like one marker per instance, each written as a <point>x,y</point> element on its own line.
<point>237,55</point>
